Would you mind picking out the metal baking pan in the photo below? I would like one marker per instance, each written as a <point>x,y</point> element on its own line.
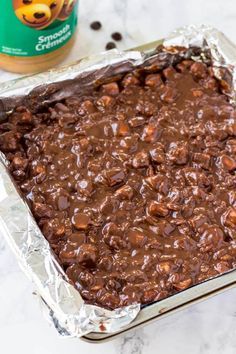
<point>174,303</point>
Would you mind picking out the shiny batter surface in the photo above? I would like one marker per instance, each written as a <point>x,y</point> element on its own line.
<point>133,185</point>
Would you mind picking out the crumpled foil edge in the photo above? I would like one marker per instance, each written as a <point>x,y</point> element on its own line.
<point>222,50</point>
<point>62,302</point>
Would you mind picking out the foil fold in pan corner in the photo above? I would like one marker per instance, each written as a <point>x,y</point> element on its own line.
<point>221,49</point>
<point>61,301</point>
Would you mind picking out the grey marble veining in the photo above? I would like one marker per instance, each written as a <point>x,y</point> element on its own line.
<point>206,328</point>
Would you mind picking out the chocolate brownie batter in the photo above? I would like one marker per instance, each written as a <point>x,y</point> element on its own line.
<point>133,183</point>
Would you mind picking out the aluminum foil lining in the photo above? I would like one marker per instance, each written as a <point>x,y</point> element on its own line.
<point>61,301</point>
<point>222,50</point>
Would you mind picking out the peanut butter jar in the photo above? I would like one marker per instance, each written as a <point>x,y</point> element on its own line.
<point>36,35</point>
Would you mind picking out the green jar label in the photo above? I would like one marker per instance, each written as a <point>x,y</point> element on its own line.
<point>36,27</point>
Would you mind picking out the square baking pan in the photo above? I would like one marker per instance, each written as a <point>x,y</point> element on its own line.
<point>153,312</point>
<point>171,304</point>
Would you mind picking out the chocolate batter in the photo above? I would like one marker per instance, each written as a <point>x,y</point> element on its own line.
<point>133,183</point>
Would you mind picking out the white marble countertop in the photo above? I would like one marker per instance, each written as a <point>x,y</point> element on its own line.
<point>206,328</point>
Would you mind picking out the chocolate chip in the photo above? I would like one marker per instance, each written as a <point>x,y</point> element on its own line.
<point>80,221</point>
<point>140,160</point>
<point>229,217</point>
<point>87,254</point>
<point>96,25</point>
<point>114,176</point>
<point>116,36</point>
<point>111,88</point>
<point>110,45</point>
<point>198,70</point>
<point>136,238</point>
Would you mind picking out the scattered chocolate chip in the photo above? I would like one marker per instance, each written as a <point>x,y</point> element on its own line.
<point>116,36</point>
<point>110,45</point>
<point>96,25</point>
